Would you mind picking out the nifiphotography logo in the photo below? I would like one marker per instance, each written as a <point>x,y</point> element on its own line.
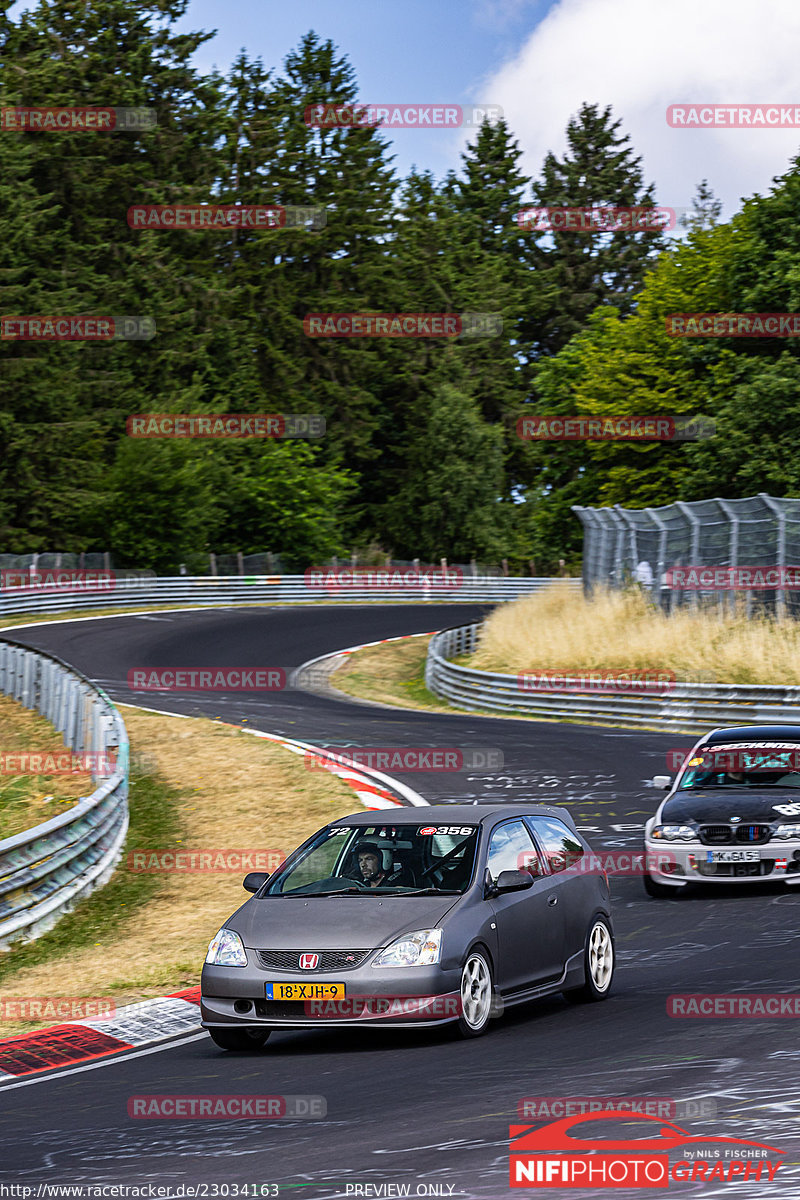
<point>552,1155</point>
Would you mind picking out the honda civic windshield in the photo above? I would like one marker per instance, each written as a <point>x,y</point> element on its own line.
<point>380,860</point>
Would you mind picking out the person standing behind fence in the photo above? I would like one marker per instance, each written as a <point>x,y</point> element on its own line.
<point>644,576</point>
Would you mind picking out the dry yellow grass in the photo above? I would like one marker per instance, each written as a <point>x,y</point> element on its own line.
<point>237,792</point>
<point>28,799</point>
<point>558,629</point>
<point>391,673</point>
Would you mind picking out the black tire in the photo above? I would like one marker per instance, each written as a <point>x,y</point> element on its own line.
<point>239,1039</point>
<point>661,891</point>
<point>477,990</point>
<point>599,961</point>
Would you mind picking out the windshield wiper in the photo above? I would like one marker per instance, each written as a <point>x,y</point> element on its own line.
<point>336,892</point>
<point>431,891</point>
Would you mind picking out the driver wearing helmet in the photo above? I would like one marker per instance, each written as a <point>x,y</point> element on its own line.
<point>370,866</point>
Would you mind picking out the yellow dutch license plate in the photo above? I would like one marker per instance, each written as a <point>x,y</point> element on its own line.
<point>305,991</point>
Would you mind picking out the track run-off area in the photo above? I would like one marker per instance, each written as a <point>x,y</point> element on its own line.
<point>416,1107</point>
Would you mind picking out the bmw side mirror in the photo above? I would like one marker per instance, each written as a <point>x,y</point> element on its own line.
<point>254,880</point>
<point>513,881</point>
<point>663,782</point>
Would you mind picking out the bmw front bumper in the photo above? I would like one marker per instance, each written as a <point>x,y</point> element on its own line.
<point>693,862</point>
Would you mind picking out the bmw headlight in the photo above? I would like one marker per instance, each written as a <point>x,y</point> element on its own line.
<point>420,949</point>
<point>787,831</point>
<point>226,950</point>
<point>673,833</point>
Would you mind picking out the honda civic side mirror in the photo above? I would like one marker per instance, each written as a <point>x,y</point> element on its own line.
<point>513,881</point>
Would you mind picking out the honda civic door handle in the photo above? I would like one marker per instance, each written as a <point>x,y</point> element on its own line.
<point>551,900</point>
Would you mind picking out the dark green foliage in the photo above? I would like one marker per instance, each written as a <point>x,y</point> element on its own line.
<point>421,457</point>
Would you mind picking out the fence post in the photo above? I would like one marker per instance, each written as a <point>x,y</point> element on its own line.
<point>733,546</point>
<point>694,553</point>
<point>780,595</point>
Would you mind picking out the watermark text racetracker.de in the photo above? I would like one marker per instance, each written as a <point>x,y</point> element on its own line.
<point>225,425</point>
<point>81,119</point>
<point>598,218</point>
<point>622,428</point>
<point>538,1108</point>
<point>218,217</point>
<point>342,579</point>
<point>611,862</point>
<point>702,578</point>
<point>734,1005</point>
<point>363,1008</point>
<point>206,679</point>
<point>765,756</point>
<point>82,328</point>
<point>743,325</point>
<point>236,1108</point>
<point>400,116</point>
<point>60,762</point>
<point>55,1008</point>
<point>402,325</point>
<point>179,860</point>
<point>408,758</point>
<point>733,116</point>
<point>58,579</point>
<point>632,680</point>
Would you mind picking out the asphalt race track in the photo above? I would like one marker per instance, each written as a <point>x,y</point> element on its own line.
<point>420,1108</point>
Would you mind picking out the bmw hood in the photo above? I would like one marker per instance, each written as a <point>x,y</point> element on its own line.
<point>716,805</point>
<point>336,922</point>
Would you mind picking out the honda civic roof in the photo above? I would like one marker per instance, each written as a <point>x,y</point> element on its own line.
<point>456,814</point>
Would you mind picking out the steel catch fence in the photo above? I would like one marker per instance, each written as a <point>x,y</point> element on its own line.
<point>646,545</point>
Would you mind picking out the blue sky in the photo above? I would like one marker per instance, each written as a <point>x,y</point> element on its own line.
<point>424,51</point>
<point>539,60</point>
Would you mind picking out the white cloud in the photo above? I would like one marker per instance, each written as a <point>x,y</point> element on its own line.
<point>640,58</point>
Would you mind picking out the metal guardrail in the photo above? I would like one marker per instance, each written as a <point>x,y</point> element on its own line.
<point>262,589</point>
<point>44,870</point>
<point>687,707</point>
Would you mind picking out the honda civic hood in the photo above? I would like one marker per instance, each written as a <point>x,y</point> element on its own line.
<point>335,922</point>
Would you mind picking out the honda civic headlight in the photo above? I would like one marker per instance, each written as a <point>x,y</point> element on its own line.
<point>787,831</point>
<point>673,833</point>
<point>420,949</point>
<point>226,950</point>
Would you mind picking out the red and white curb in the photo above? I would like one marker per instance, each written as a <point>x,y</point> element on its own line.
<point>132,1026</point>
<point>373,788</point>
<point>343,654</point>
<point>163,1017</point>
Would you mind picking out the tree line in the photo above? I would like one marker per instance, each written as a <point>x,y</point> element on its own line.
<point>421,456</point>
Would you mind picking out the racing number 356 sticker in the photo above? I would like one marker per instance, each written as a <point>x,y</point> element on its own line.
<point>427,830</point>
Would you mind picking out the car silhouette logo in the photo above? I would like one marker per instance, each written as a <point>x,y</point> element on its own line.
<point>556,1136</point>
<point>308,961</point>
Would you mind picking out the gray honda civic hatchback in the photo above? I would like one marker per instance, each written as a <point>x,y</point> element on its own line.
<point>447,914</point>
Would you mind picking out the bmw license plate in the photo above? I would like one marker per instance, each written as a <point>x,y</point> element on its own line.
<point>305,991</point>
<point>730,856</point>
